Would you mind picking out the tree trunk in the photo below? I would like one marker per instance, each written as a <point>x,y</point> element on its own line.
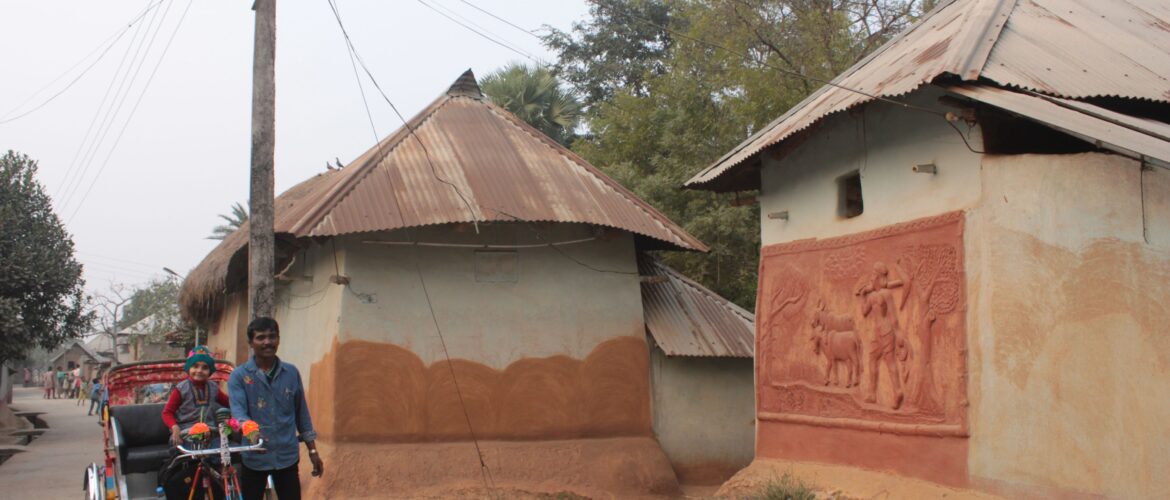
<point>261,292</point>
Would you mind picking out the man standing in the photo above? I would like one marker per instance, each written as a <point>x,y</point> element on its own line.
<point>269,391</point>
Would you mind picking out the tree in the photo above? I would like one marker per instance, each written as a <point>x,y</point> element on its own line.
<point>41,296</point>
<point>609,53</point>
<point>236,219</point>
<point>672,86</point>
<point>535,96</point>
<point>159,300</point>
<point>109,309</point>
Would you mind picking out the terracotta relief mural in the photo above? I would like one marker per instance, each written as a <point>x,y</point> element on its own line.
<point>866,331</point>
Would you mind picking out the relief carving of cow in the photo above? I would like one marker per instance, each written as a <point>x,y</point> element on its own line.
<point>835,336</point>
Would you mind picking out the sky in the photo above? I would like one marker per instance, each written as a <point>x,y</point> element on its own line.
<point>139,112</point>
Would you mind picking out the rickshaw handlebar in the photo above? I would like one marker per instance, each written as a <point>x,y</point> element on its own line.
<point>259,446</point>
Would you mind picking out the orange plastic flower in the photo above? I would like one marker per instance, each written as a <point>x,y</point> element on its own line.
<point>198,431</point>
<point>250,430</point>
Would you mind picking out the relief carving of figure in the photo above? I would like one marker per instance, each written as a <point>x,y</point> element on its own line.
<point>888,346</point>
<point>835,336</point>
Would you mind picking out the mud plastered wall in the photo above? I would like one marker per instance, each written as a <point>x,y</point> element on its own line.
<point>865,335</point>
<point>556,350</point>
<point>1070,297</point>
<point>881,142</point>
<point>373,392</point>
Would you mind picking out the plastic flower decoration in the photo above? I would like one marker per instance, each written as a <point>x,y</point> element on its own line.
<point>198,432</point>
<point>233,425</point>
<point>251,430</point>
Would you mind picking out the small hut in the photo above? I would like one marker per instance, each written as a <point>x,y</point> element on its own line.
<point>965,268</point>
<point>464,301</point>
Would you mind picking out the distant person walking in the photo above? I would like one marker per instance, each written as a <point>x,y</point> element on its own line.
<point>95,396</point>
<point>61,387</point>
<point>269,391</point>
<point>49,381</point>
<point>77,383</point>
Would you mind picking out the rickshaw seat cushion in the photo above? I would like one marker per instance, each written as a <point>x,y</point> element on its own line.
<point>144,437</point>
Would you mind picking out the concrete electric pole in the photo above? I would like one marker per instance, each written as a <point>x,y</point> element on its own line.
<point>261,245</point>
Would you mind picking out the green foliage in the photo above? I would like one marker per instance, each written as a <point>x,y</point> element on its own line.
<point>233,221</point>
<point>535,96</point>
<point>159,301</point>
<point>787,487</point>
<point>672,86</point>
<point>608,54</point>
<point>41,298</point>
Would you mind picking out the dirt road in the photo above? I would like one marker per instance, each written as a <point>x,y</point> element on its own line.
<point>54,465</point>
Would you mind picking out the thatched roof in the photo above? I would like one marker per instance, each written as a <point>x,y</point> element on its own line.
<point>224,270</point>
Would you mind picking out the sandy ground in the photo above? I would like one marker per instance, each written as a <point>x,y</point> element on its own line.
<point>54,465</point>
<point>840,482</point>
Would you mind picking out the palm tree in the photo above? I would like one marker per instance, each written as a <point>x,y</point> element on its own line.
<point>237,218</point>
<point>535,96</point>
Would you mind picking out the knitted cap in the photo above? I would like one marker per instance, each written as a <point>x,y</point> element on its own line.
<point>199,353</point>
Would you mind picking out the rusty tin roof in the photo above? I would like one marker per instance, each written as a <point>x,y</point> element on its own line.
<point>471,161</point>
<point>468,160</point>
<point>687,319</point>
<point>1066,48</point>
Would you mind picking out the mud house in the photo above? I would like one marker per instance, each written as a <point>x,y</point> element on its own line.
<point>965,268</point>
<point>76,353</point>
<point>700,375</point>
<point>469,275</point>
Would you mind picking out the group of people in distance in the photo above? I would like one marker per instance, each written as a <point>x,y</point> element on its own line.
<point>60,383</point>
<point>265,390</point>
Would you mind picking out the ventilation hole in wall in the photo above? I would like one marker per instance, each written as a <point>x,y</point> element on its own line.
<point>849,202</point>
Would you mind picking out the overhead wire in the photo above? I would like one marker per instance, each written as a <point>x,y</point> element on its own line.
<point>505,21</point>
<point>108,43</point>
<point>405,122</point>
<point>133,110</point>
<point>124,86</point>
<point>485,471</point>
<point>490,39</point>
<point>101,111</point>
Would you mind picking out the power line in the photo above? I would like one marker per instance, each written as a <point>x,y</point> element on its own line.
<point>505,21</point>
<point>108,43</point>
<point>486,37</point>
<point>485,472</point>
<point>133,110</point>
<point>405,123</point>
<point>123,86</point>
<point>67,181</point>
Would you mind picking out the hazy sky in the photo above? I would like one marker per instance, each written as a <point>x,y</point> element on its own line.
<point>141,191</point>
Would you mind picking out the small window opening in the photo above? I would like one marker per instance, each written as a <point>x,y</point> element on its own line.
<point>849,202</point>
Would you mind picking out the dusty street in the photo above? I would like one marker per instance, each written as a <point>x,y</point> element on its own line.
<point>54,465</point>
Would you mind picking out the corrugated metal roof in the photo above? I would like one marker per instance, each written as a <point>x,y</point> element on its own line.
<point>474,161</point>
<point>1067,48</point>
<point>480,163</point>
<point>1135,137</point>
<point>687,319</point>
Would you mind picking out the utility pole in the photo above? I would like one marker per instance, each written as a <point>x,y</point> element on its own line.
<point>261,245</point>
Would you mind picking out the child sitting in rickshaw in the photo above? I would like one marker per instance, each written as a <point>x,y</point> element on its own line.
<point>195,399</point>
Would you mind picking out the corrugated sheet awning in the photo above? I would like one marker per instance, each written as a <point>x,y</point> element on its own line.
<point>1137,138</point>
<point>1065,48</point>
<point>687,319</point>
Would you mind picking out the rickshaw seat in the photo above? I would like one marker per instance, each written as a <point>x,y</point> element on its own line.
<point>143,438</point>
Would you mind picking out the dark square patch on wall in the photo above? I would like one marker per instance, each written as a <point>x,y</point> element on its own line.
<point>497,266</point>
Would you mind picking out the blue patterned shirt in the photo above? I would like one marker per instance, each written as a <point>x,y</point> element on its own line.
<point>278,406</point>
